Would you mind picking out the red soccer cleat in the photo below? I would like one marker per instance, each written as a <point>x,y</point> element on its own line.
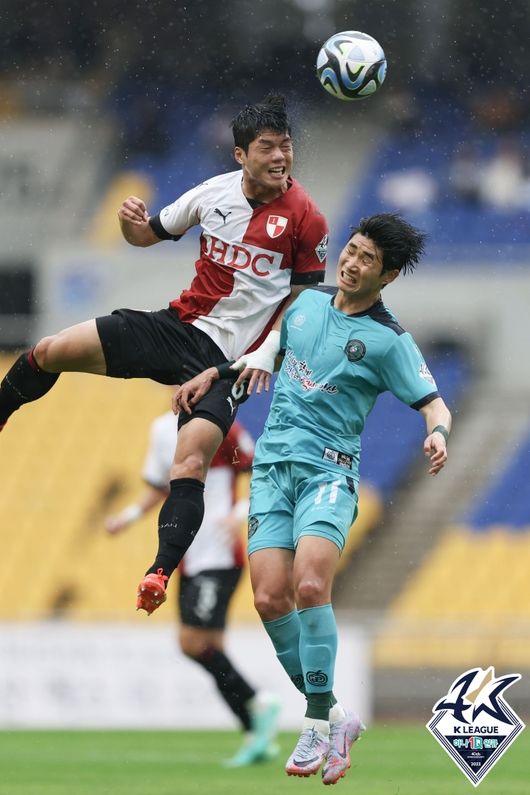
<point>151,592</point>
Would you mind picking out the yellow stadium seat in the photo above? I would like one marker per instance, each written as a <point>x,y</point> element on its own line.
<point>468,604</point>
<point>68,460</point>
<point>104,229</point>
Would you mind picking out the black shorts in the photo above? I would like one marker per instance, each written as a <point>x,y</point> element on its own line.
<point>204,598</point>
<point>157,345</point>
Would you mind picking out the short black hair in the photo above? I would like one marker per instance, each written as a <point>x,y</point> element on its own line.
<point>269,114</point>
<point>402,244</point>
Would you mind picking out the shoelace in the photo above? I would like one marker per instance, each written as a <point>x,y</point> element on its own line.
<point>160,573</point>
<point>334,730</point>
<point>307,741</point>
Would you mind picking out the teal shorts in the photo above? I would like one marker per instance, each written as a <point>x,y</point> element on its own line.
<point>289,500</point>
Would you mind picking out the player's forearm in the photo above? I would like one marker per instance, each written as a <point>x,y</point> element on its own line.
<point>138,234</point>
<point>437,415</point>
<point>146,502</point>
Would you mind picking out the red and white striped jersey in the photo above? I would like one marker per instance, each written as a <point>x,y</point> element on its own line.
<point>213,547</point>
<point>249,257</point>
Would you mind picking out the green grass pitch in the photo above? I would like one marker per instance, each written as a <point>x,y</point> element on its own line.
<point>392,759</point>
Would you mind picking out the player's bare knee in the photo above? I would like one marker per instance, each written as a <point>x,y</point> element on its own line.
<point>270,606</point>
<point>191,644</point>
<point>43,352</point>
<point>192,465</point>
<point>310,592</point>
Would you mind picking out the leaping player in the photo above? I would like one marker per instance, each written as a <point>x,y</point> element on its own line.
<point>263,241</point>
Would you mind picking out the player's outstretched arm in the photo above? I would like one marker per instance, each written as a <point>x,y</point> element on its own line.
<point>438,422</point>
<point>134,223</point>
<point>258,366</point>
<point>151,497</point>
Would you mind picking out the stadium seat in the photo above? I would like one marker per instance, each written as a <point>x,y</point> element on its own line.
<point>470,600</point>
<point>104,231</point>
<point>66,462</point>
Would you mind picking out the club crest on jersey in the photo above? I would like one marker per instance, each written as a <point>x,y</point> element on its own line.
<point>355,350</point>
<point>276,224</point>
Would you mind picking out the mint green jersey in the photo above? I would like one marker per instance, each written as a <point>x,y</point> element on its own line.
<point>334,368</point>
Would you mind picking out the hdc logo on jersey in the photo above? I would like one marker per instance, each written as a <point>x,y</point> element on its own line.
<point>276,224</point>
<point>240,256</point>
<point>474,724</point>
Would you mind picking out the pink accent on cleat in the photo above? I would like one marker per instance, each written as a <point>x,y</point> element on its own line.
<point>308,755</point>
<point>151,592</point>
<point>342,735</point>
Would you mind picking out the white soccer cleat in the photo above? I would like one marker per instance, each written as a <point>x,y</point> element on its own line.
<point>342,735</point>
<point>308,755</point>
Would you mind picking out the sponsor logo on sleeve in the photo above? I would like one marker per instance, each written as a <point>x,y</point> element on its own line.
<point>322,249</point>
<point>253,524</point>
<point>425,373</point>
<point>298,320</point>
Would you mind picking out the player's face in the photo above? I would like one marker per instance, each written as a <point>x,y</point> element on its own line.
<point>266,165</point>
<point>360,269</point>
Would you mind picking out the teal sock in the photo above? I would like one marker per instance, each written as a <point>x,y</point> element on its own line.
<point>285,635</point>
<point>318,651</point>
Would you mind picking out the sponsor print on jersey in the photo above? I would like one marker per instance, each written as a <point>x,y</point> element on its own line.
<point>240,256</point>
<point>301,372</point>
<point>222,214</point>
<point>337,457</point>
<point>276,224</point>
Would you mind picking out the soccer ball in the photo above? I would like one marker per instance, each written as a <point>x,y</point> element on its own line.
<point>351,65</point>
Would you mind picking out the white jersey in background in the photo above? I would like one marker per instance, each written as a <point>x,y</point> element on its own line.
<point>214,547</point>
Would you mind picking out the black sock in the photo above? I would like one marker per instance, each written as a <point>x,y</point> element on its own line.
<point>23,383</point>
<point>178,523</point>
<point>231,685</point>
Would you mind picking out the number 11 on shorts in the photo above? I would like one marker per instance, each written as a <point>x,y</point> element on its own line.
<point>333,491</point>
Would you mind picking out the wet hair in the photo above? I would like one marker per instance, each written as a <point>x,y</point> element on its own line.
<point>402,245</point>
<point>269,114</point>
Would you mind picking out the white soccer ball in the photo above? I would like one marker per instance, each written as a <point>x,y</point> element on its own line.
<point>351,65</point>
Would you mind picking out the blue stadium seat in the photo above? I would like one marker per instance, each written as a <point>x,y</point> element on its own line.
<point>505,500</point>
<point>393,432</point>
<point>449,221</point>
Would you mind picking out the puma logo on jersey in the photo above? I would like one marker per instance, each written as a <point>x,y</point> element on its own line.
<point>224,216</point>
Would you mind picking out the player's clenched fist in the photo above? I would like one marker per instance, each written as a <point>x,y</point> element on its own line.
<point>134,210</point>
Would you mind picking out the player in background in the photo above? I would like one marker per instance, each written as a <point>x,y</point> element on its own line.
<point>263,241</point>
<point>342,348</point>
<point>209,574</point>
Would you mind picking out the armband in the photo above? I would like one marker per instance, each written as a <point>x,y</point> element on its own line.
<point>443,430</point>
<point>225,370</point>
